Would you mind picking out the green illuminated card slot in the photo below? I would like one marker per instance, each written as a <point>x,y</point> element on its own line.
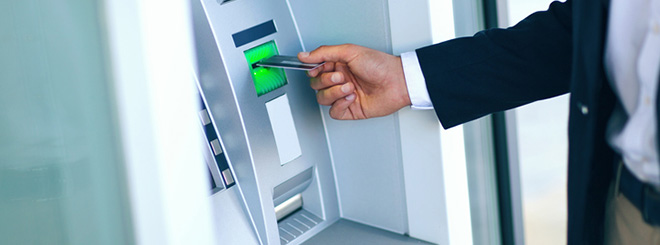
<point>265,79</point>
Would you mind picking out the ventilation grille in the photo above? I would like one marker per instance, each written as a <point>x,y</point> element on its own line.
<point>296,225</point>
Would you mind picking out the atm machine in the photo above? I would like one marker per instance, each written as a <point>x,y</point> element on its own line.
<point>268,154</point>
<point>277,175</point>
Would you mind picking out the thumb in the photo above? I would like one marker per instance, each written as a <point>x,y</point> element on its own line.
<point>337,53</point>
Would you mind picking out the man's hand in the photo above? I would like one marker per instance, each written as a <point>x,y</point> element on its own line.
<point>357,82</point>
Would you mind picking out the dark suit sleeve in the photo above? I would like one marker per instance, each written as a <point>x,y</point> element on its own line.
<point>499,69</point>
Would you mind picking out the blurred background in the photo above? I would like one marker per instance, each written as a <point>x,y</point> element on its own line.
<point>543,154</point>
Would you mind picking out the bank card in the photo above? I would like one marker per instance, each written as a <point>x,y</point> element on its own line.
<point>287,62</point>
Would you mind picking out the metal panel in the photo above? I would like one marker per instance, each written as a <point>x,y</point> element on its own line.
<point>366,154</point>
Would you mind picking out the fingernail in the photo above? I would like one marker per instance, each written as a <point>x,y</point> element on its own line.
<point>346,88</point>
<point>304,54</point>
<point>350,97</point>
<point>336,78</point>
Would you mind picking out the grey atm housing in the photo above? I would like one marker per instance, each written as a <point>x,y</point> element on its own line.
<point>369,191</point>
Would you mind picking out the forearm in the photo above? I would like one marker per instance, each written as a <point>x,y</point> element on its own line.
<point>499,69</point>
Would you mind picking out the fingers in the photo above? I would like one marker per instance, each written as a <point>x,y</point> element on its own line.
<point>326,80</point>
<point>337,53</point>
<point>339,109</point>
<point>327,67</point>
<point>330,95</point>
<point>338,74</point>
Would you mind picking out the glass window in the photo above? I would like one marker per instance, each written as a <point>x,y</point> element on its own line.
<point>543,154</point>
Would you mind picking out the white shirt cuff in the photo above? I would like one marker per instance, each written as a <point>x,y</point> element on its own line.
<point>417,91</point>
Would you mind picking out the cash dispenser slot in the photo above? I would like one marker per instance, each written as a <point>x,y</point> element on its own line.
<point>292,186</point>
<point>288,207</point>
<point>292,219</point>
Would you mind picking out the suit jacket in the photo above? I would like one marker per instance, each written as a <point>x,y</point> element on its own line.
<point>547,54</point>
